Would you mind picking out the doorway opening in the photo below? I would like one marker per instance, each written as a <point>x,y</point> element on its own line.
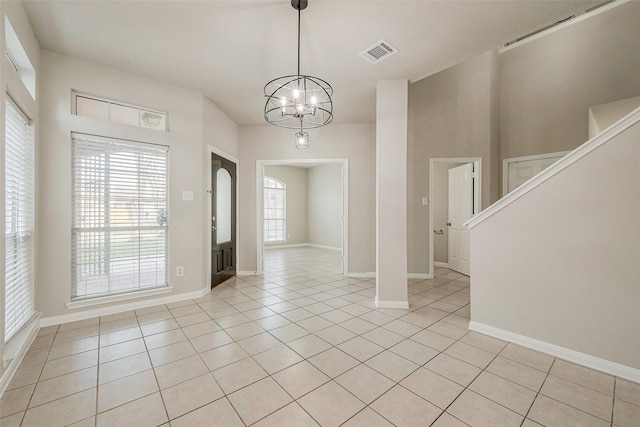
<point>455,196</point>
<point>307,205</point>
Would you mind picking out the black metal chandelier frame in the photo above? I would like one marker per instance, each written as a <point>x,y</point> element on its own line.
<point>298,101</point>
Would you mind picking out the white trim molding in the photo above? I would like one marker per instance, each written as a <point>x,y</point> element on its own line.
<point>284,246</point>
<point>567,354</point>
<point>575,155</point>
<point>16,350</point>
<point>330,248</point>
<point>391,304</point>
<point>440,264</point>
<point>96,312</point>
<point>108,299</point>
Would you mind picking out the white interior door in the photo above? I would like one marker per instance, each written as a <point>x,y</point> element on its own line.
<point>520,170</point>
<point>460,211</point>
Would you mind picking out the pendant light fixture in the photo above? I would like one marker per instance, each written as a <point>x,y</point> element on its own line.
<point>298,101</point>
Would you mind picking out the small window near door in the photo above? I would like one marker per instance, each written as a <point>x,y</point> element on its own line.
<point>275,195</point>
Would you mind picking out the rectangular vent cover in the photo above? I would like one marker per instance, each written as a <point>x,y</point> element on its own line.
<point>379,51</point>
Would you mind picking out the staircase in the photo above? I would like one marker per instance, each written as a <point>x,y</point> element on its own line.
<point>556,263</point>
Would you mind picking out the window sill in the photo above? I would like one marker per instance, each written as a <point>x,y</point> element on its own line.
<point>72,305</point>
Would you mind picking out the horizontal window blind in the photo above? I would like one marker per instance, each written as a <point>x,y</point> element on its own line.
<point>19,220</point>
<point>120,222</point>
<point>275,204</point>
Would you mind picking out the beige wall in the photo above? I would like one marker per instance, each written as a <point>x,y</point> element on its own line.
<point>449,116</point>
<point>355,142</point>
<point>297,201</point>
<point>547,85</point>
<point>562,266</point>
<point>325,205</point>
<point>188,153</point>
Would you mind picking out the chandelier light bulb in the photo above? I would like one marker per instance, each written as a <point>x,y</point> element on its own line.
<point>314,100</point>
<point>300,107</point>
<point>296,93</point>
<point>283,101</point>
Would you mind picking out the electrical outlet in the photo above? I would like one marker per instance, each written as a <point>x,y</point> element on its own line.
<point>180,271</point>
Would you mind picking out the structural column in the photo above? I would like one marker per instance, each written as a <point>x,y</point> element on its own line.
<point>391,193</point>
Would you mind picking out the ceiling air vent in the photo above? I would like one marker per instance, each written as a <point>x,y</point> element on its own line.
<point>378,52</point>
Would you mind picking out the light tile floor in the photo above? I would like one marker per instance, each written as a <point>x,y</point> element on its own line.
<point>303,346</point>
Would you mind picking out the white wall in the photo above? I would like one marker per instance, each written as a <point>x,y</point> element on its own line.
<point>560,263</point>
<point>297,201</point>
<point>325,205</point>
<point>188,159</point>
<point>355,142</point>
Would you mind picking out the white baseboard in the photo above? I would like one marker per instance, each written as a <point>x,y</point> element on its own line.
<point>367,275</point>
<point>440,264</point>
<point>567,354</point>
<point>419,276</point>
<point>392,304</point>
<point>299,245</point>
<point>372,274</point>
<point>13,360</point>
<point>246,273</point>
<point>285,246</point>
<point>331,248</point>
<point>103,311</point>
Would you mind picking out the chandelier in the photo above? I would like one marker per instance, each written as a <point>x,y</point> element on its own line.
<point>298,101</point>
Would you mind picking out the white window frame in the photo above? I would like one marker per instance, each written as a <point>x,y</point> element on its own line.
<point>147,118</point>
<point>19,298</point>
<point>107,224</point>
<point>275,186</point>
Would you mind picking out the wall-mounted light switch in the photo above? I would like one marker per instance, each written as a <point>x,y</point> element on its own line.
<point>425,201</point>
<point>187,196</point>
<point>180,271</point>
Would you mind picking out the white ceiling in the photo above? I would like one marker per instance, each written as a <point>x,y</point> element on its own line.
<point>229,49</point>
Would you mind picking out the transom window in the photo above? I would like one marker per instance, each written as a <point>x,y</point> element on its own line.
<point>119,112</point>
<point>120,221</point>
<point>275,206</point>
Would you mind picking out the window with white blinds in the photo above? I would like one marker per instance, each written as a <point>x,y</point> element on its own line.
<point>275,208</point>
<point>19,220</point>
<point>120,223</point>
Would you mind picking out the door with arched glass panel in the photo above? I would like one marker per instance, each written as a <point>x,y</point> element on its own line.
<point>223,219</point>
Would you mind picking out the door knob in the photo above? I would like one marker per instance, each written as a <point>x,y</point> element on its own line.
<point>213,228</point>
<point>213,219</point>
<point>449,224</point>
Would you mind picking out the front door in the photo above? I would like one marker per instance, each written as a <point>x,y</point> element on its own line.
<point>460,211</point>
<point>223,219</point>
